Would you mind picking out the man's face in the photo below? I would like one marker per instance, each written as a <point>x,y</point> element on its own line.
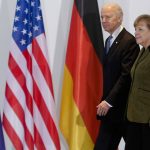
<point>110,19</point>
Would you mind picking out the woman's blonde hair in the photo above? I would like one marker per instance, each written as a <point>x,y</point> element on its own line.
<point>144,18</point>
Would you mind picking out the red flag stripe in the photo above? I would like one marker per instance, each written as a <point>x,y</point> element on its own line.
<point>38,141</point>
<point>20,97</point>
<point>28,58</point>
<point>18,71</point>
<point>43,86</point>
<point>43,132</point>
<point>41,60</point>
<point>45,115</point>
<point>21,80</point>
<point>12,100</point>
<point>15,139</point>
<point>39,76</point>
<point>14,120</point>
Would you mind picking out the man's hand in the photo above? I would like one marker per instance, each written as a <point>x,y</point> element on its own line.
<point>102,108</point>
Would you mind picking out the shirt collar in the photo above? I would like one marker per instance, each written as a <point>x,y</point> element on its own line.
<point>116,32</point>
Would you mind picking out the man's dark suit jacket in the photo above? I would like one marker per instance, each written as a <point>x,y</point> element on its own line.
<point>116,74</point>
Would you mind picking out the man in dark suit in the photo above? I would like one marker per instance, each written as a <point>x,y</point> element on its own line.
<point>120,53</point>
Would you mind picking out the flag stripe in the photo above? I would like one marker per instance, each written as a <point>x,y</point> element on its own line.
<point>12,100</point>
<point>91,20</point>
<point>43,134</point>
<point>18,57</point>
<point>42,85</point>
<point>21,80</point>
<point>45,114</point>
<point>40,59</point>
<point>39,80</point>
<point>72,124</point>
<point>28,58</point>
<point>20,114</point>
<point>15,139</point>
<point>9,122</point>
<point>19,108</point>
<point>20,97</point>
<point>38,140</point>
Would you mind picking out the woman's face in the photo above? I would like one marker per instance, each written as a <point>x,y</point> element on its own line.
<point>142,34</point>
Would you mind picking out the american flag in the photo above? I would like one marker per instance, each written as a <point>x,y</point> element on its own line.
<point>29,117</point>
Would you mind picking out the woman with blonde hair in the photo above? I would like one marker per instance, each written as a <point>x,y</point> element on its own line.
<point>138,110</point>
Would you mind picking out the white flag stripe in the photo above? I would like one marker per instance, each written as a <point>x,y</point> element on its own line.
<point>29,48</point>
<point>29,123</point>
<point>14,121</point>
<point>25,147</point>
<point>35,148</point>
<point>19,94</point>
<point>17,55</point>
<point>16,89</point>
<point>40,125</point>
<point>41,40</point>
<point>42,85</point>
<point>20,58</point>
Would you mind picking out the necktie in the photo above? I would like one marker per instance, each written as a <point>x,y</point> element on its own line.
<point>108,44</point>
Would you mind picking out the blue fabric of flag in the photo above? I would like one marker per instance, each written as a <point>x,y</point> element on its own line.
<point>2,145</point>
<point>28,22</point>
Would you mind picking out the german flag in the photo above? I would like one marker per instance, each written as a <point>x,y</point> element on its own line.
<point>83,80</point>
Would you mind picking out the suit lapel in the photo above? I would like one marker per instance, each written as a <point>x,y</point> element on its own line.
<point>142,55</point>
<point>116,41</point>
<point>136,62</point>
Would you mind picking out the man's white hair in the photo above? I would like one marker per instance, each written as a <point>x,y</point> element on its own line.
<point>116,7</point>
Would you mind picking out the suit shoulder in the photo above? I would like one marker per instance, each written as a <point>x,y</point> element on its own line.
<point>128,35</point>
<point>125,36</point>
<point>128,41</point>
